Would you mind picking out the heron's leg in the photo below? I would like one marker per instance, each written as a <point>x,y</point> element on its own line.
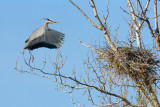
<point>31,56</point>
<point>58,51</point>
<point>58,46</point>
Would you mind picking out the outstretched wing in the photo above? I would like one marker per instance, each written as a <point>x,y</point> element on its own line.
<point>44,38</point>
<point>53,37</point>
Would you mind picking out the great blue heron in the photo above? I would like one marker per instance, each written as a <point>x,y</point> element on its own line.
<point>130,45</point>
<point>44,37</point>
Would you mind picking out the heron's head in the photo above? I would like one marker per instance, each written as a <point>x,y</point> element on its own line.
<point>50,21</point>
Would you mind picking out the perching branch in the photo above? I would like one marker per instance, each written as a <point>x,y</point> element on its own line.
<point>82,85</point>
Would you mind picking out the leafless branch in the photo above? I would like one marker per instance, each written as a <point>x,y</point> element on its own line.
<point>96,14</point>
<point>102,27</point>
<point>84,15</point>
<point>156,17</point>
<point>106,34</point>
<point>91,48</point>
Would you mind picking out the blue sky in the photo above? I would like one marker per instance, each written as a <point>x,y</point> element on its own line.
<point>19,18</point>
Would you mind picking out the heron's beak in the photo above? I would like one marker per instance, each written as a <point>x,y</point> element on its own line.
<point>54,22</point>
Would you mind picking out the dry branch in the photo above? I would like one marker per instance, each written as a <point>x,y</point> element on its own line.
<point>102,27</point>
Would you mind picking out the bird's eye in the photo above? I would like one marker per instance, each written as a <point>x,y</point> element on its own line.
<point>49,20</point>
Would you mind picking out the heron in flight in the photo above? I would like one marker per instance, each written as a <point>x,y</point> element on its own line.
<point>44,37</point>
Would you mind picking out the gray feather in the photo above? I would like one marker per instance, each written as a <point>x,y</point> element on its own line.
<point>43,37</point>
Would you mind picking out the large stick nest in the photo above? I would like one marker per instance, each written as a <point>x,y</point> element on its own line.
<point>138,64</point>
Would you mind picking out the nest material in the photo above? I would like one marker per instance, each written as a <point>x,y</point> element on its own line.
<point>138,64</point>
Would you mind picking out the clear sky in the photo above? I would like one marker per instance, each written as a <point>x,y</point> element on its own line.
<point>19,18</point>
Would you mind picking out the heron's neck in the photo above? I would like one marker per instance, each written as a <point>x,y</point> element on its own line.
<point>46,24</point>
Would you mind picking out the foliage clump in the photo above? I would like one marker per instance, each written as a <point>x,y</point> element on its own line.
<point>140,65</point>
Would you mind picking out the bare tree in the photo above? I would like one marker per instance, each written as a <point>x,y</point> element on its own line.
<point>115,75</point>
